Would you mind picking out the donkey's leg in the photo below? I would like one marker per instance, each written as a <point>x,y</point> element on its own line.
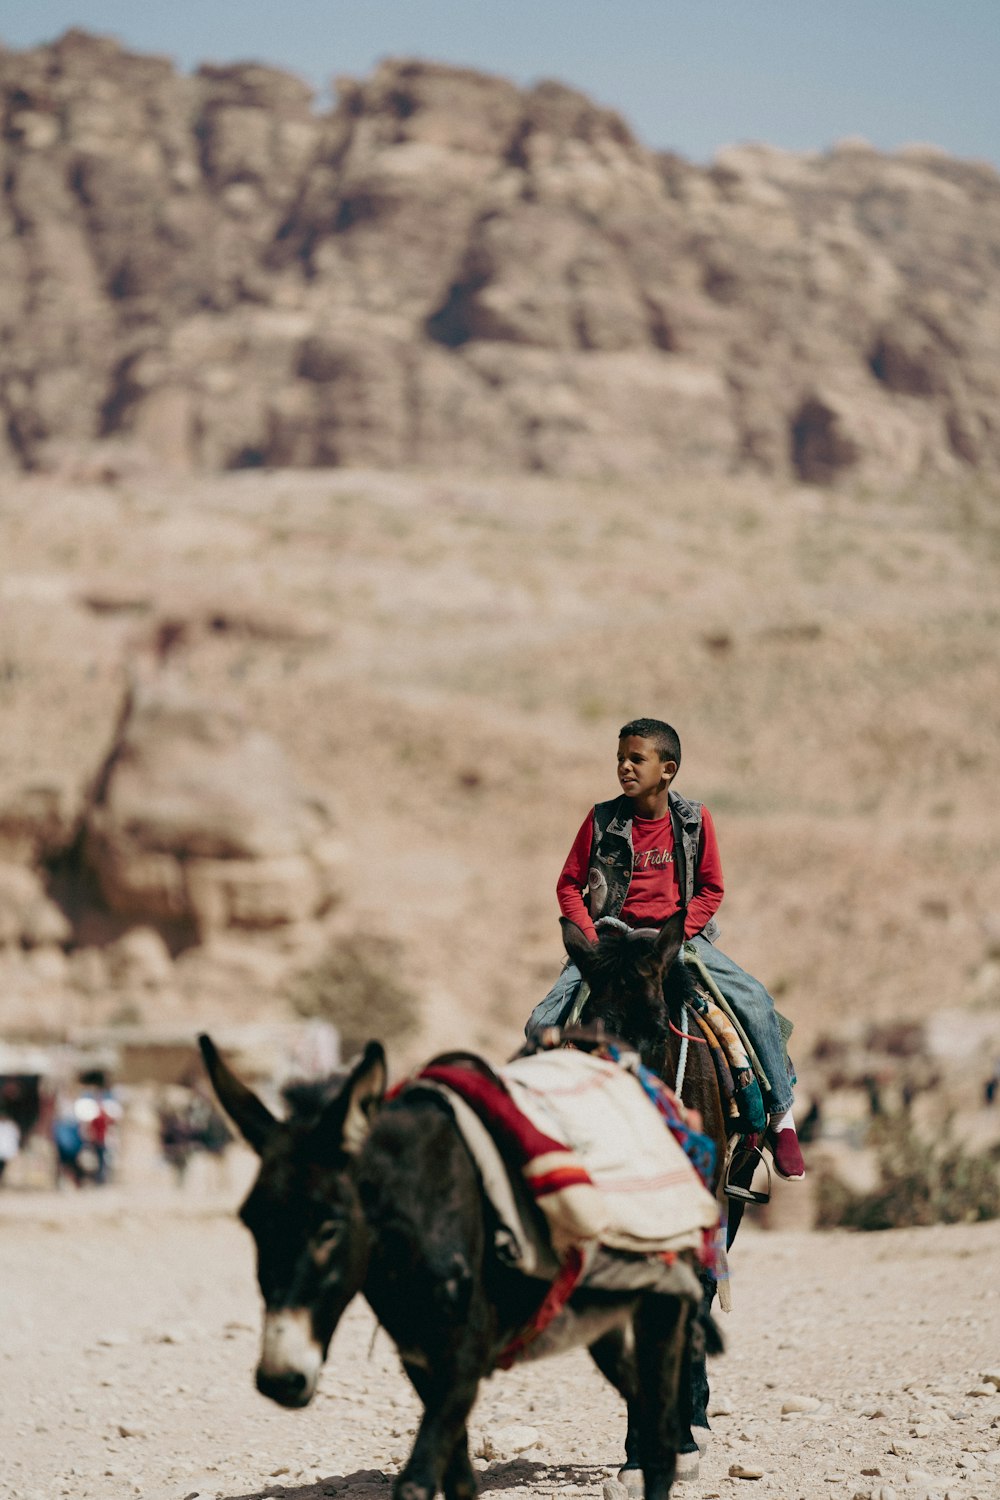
<point>459,1482</point>
<point>661,1332</point>
<point>696,1431</point>
<point>614,1358</point>
<point>440,1456</point>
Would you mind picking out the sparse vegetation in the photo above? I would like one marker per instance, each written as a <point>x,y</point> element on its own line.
<point>357,985</point>
<point>920,1182</point>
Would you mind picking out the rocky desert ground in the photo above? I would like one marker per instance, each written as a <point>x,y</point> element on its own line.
<point>857,1365</point>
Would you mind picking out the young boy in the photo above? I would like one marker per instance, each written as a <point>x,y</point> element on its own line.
<point>642,856</point>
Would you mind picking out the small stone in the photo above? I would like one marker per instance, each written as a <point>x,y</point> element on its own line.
<point>745,1471</point>
<point>990,1377</point>
<point>793,1405</point>
<point>719,1406</point>
<point>506,1441</point>
<point>901,1450</point>
<point>612,1490</point>
<point>982,1390</point>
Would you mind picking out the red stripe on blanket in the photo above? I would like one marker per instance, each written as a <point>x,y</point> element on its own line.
<point>555,1181</point>
<point>483,1092</point>
<point>643,1184</point>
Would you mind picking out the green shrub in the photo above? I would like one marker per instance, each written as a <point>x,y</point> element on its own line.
<point>920,1182</point>
<point>357,985</point>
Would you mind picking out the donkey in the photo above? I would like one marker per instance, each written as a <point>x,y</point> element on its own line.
<point>639,987</point>
<point>359,1194</point>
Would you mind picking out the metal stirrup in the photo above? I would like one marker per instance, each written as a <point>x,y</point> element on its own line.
<point>739,1151</point>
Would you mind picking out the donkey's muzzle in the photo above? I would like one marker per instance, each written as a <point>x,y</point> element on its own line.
<point>287,1387</point>
<point>290,1357</point>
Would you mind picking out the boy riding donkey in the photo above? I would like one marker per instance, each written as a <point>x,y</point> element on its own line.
<point>638,859</point>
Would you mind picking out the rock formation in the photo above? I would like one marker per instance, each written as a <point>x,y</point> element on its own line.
<point>448,271</point>
<point>196,820</point>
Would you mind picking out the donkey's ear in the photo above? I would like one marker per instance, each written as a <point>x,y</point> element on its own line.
<point>251,1117</point>
<point>578,945</point>
<point>671,938</point>
<point>347,1120</point>
<point>366,1091</point>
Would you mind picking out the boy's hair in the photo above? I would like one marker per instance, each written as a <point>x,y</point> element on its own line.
<point>664,737</point>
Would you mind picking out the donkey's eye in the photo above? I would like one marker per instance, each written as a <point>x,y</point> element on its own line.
<point>325,1240</point>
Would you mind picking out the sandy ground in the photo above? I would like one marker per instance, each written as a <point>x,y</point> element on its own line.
<point>131,1327</point>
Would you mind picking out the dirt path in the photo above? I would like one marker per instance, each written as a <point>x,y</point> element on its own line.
<point>130,1336</point>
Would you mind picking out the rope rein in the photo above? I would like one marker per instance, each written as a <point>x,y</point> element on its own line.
<point>682,1055</point>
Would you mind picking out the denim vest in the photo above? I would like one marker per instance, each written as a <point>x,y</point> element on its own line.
<point>611,855</point>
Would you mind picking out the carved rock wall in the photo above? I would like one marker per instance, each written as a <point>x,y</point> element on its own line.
<point>449,271</point>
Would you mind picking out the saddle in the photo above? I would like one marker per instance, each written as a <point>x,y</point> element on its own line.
<point>586,1185</point>
<point>742,1081</point>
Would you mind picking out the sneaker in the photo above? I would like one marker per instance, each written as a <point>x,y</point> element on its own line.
<point>786,1155</point>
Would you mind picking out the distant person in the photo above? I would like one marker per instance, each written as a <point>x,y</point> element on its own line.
<point>640,857</point>
<point>10,1142</point>
<point>98,1113</point>
<point>992,1084</point>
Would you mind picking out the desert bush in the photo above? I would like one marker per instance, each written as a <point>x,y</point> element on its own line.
<point>919,1182</point>
<point>357,984</point>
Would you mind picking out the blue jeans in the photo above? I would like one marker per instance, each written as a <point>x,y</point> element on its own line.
<point>747,996</point>
<point>553,1009</point>
<point>755,1010</point>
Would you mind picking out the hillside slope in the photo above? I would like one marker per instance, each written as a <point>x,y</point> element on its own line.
<point>446,663</point>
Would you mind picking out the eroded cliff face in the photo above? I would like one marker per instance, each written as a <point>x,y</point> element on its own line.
<point>448,271</point>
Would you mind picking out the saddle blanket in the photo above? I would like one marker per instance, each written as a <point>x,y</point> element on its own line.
<point>590,1147</point>
<point>587,1184</point>
<point>652,1193</point>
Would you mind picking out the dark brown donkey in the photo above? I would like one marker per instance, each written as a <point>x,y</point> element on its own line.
<point>639,988</point>
<point>355,1193</point>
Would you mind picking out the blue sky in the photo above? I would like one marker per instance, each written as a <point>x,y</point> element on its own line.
<point>689,75</point>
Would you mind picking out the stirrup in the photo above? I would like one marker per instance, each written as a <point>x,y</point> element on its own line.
<point>739,1155</point>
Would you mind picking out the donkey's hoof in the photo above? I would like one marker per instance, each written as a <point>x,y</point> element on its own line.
<point>411,1489</point>
<point>688,1465</point>
<point>631,1482</point>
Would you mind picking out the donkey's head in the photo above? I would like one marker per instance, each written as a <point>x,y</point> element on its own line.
<point>625,971</point>
<point>304,1213</point>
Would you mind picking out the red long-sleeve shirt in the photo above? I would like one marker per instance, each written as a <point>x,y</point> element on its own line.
<point>654,892</point>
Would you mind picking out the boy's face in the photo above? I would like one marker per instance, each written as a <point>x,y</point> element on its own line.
<point>640,769</point>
